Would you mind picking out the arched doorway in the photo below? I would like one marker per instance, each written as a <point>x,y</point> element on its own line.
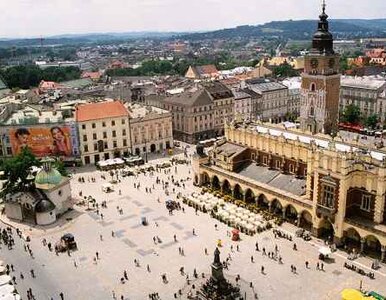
<point>276,207</point>
<point>372,247</point>
<point>249,196</point>
<point>352,240</point>
<point>306,220</point>
<point>216,183</point>
<point>205,180</point>
<point>262,202</point>
<point>291,214</point>
<point>238,192</point>
<point>326,230</point>
<point>152,148</point>
<point>226,187</point>
<point>137,151</point>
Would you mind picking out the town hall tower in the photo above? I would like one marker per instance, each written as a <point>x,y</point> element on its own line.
<point>319,104</point>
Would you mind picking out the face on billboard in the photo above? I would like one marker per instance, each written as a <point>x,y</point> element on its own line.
<point>42,141</point>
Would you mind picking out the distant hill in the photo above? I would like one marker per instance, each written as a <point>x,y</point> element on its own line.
<point>71,39</point>
<point>302,29</point>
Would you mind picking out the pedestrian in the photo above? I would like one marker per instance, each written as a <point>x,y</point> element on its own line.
<point>32,273</point>
<point>148,268</point>
<point>114,296</point>
<point>101,237</point>
<point>215,226</point>
<point>112,234</point>
<point>21,276</point>
<point>262,269</point>
<point>237,248</point>
<point>12,269</point>
<point>61,296</point>
<point>175,238</point>
<point>295,247</point>
<point>306,264</point>
<point>97,255</point>
<point>75,265</point>
<point>194,232</point>
<point>322,266</point>
<point>251,258</point>
<point>317,266</point>
<point>125,275</point>
<point>257,246</point>
<point>206,251</point>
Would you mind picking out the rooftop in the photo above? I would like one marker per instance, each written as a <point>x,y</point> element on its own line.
<point>365,82</point>
<point>229,149</point>
<point>139,111</point>
<point>100,110</point>
<point>197,97</point>
<point>267,87</point>
<point>275,178</point>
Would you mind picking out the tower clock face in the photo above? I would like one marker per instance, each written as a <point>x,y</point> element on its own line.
<point>314,63</point>
<point>331,63</point>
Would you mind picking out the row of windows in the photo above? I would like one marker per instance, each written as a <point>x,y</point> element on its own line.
<point>104,135</point>
<point>93,125</point>
<point>105,145</point>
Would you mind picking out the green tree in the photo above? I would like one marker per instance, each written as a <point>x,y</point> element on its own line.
<point>351,114</point>
<point>372,121</point>
<point>16,171</point>
<point>285,70</point>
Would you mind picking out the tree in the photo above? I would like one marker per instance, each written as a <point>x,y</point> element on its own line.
<point>16,171</point>
<point>372,121</point>
<point>285,70</point>
<point>351,114</point>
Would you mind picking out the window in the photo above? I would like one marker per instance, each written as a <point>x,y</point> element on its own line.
<point>114,144</point>
<point>277,163</point>
<point>94,136</point>
<point>124,132</point>
<point>85,148</point>
<point>366,202</point>
<point>104,124</point>
<point>123,121</point>
<point>114,133</point>
<point>328,196</point>
<point>93,125</point>
<point>124,142</point>
<point>84,138</point>
<point>95,147</point>
<point>104,134</point>
<point>83,126</point>
<point>265,160</point>
<point>112,123</point>
<point>106,145</point>
<point>291,168</point>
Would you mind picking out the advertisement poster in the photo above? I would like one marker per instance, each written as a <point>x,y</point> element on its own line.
<point>42,141</point>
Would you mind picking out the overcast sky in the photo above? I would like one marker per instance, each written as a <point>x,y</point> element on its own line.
<point>25,18</point>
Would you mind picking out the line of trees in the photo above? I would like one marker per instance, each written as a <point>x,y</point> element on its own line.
<point>29,76</point>
<point>352,114</point>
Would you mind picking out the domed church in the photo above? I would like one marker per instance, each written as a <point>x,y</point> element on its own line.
<point>48,197</point>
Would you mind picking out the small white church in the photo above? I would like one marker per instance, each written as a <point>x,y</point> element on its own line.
<point>47,199</point>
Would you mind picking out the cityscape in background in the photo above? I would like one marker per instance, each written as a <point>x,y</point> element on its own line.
<point>240,163</point>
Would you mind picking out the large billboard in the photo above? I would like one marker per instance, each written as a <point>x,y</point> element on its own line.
<point>44,141</point>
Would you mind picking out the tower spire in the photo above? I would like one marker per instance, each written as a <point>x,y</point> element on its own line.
<point>324,6</point>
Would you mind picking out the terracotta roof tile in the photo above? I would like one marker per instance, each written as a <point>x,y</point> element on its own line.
<point>100,110</point>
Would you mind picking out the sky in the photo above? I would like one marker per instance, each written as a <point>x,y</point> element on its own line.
<point>35,18</point>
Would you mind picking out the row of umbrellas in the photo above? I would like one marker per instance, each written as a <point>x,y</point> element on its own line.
<point>237,216</point>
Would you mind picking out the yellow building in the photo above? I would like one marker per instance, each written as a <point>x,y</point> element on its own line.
<point>334,189</point>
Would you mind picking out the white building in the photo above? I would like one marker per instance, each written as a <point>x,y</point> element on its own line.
<point>150,129</point>
<point>366,93</point>
<point>293,84</point>
<point>103,130</point>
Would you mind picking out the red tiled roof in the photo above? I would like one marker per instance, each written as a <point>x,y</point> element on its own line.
<point>100,110</point>
<point>92,75</point>
<point>206,69</point>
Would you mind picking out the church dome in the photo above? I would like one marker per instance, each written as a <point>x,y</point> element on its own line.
<point>48,177</point>
<point>44,206</point>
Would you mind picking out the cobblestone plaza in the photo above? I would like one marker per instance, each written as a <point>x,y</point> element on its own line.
<point>79,276</point>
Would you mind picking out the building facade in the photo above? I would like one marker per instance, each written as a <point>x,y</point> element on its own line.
<point>315,183</point>
<point>364,92</point>
<point>103,130</point>
<point>150,129</point>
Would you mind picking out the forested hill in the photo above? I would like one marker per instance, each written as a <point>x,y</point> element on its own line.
<point>303,29</point>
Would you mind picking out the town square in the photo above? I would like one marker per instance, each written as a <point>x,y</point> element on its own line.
<point>112,241</point>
